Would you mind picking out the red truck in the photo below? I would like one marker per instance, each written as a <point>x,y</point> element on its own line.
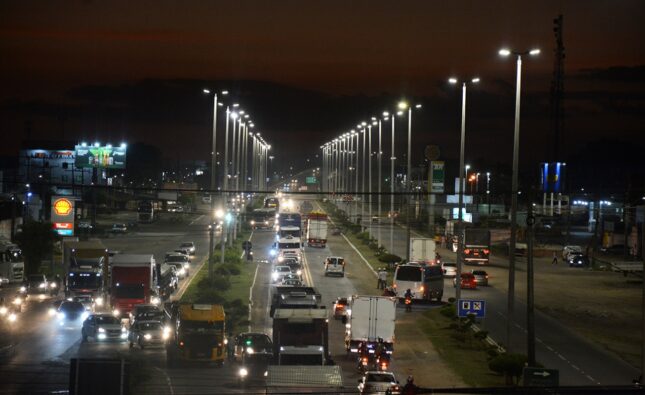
<point>132,282</point>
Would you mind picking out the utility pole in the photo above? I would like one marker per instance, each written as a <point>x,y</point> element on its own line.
<point>530,294</point>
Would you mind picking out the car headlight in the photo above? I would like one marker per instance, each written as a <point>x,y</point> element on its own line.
<point>181,271</point>
<point>249,350</point>
<point>243,372</point>
<point>42,285</point>
<point>116,312</point>
<point>84,315</point>
<point>123,330</point>
<point>61,315</point>
<point>23,289</point>
<point>280,259</point>
<point>17,301</point>
<point>299,272</point>
<point>147,336</point>
<point>274,276</point>
<point>186,266</point>
<point>101,330</point>
<point>99,301</point>
<point>272,252</point>
<point>52,285</point>
<point>12,317</point>
<point>3,310</point>
<point>155,300</point>
<point>165,335</point>
<point>252,222</point>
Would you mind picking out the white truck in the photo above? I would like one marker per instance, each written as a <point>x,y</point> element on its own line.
<point>370,318</point>
<point>317,229</point>
<point>12,265</point>
<point>422,250</point>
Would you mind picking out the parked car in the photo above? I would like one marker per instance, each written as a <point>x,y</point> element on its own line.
<point>147,333</point>
<point>578,260</point>
<point>481,277</point>
<point>119,228</point>
<point>374,382</point>
<point>566,250</point>
<point>340,307</point>
<point>103,326</point>
<point>467,281</point>
<point>449,269</point>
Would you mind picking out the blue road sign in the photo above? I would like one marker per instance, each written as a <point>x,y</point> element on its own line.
<point>475,307</point>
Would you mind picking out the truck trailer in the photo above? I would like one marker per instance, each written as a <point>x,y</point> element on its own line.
<point>317,229</point>
<point>370,318</point>
<point>133,281</point>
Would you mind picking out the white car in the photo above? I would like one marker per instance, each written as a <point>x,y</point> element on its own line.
<point>104,326</point>
<point>180,262</point>
<point>449,269</point>
<point>279,272</point>
<point>374,382</point>
<point>189,245</point>
<point>335,265</point>
<point>569,249</point>
<point>119,228</point>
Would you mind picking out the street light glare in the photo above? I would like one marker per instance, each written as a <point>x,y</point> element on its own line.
<point>236,104</point>
<point>386,114</point>
<point>373,118</point>
<point>418,106</point>
<point>399,113</point>
<point>206,91</point>
<point>475,80</point>
<point>224,93</point>
<point>220,104</point>
<point>234,115</point>
<point>403,105</point>
<point>363,123</point>
<point>504,52</point>
<point>534,52</point>
<point>452,80</point>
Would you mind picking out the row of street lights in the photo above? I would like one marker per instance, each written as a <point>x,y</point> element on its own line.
<point>253,178</point>
<point>340,157</point>
<point>337,162</point>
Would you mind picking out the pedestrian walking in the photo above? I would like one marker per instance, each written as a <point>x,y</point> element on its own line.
<point>555,259</point>
<point>382,279</point>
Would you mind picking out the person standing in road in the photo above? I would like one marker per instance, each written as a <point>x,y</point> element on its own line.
<point>555,258</point>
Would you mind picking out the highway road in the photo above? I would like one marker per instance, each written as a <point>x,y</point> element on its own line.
<point>40,358</point>
<point>579,361</point>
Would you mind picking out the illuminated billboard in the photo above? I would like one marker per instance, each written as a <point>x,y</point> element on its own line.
<point>107,157</point>
<point>62,215</point>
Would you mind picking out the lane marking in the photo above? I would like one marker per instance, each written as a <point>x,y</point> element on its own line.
<point>168,381</point>
<point>196,219</point>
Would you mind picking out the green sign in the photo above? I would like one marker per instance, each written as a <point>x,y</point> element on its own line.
<point>437,176</point>
<point>311,180</point>
<point>106,157</point>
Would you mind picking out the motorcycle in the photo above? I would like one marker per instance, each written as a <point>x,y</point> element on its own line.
<point>249,256</point>
<point>383,362</point>
<point>408,303</point>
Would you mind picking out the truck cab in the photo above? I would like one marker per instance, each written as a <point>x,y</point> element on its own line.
<point>198,334</point>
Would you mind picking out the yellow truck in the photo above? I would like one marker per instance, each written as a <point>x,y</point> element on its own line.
<point>197,333</point>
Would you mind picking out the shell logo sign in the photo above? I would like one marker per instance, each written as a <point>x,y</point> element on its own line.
<point>62,207</point>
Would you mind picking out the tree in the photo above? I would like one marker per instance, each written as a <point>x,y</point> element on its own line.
<point>36,241</point>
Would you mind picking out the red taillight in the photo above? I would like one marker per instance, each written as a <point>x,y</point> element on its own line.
<point>181,344</point>
<point>486,251</point>
<point>487,276</point>
<point>467,251</point>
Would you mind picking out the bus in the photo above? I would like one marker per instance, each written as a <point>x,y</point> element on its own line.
<point>12,265</point>
<point>425,281</point>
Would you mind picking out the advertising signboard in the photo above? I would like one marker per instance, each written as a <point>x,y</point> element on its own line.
<point>107,157</point>
<point>62,215</point>
<point>437,176</point>
<point>311,180</point>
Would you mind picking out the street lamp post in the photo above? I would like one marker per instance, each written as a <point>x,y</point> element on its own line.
<point>380,179</point>
<point>462,170</point>
<point>369,166</point>
<point>363,167</point>
<point>392,159</point>
<point>513,238</point>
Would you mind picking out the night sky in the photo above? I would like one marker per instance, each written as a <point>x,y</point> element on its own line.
<point>309,70</point>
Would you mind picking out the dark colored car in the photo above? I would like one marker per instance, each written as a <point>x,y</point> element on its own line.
<point>71,312</point>
<point>578,260</point>
<point>147,333</point>
<point>252,343</point>
<point>340,307</point>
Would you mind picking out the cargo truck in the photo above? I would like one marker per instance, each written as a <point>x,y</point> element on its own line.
<point>12,265</point>
<point>317,229</point>
<point>87,264</point>
<point>300,336</point>
<point>476,246</point>
<point>422,250</point>
<point>133,281</point>
<point>197,333</point>
<point>369,319</point>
